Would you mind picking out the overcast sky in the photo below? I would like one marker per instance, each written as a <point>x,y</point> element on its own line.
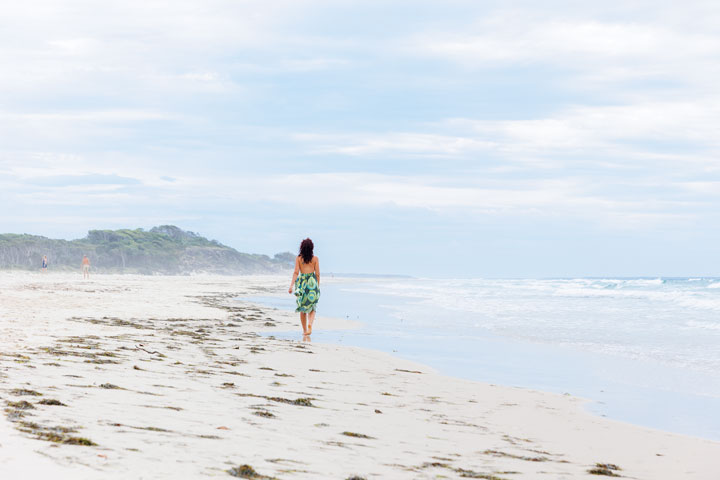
<point>433,138</point>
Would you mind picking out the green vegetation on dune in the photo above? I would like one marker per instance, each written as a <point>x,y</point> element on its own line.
<point>163,250</point>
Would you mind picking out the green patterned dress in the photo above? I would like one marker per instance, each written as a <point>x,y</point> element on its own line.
<point>307,292</point>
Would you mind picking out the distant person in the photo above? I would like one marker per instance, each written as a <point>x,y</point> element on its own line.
<point>306,280</point>
<point>44,264</point>
<point>86,266</point>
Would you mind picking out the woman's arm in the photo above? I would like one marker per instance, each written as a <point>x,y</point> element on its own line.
<point>317,270</point>
<point>295,274</point>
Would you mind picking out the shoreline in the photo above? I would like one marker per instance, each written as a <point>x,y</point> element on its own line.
<point>206,382</point>
<point>638,391</point>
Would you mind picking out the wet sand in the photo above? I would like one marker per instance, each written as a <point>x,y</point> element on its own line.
<point>167,377</point>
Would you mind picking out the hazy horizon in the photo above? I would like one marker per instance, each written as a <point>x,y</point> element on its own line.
<point>461,138</point>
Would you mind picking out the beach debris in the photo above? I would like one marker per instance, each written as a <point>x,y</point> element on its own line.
<point>355,477</point>
<point>140,346</point>
<point>58,434</point>
<point>472,474</point>
<point>303,402</point>
<point>78,441</point>
<point>264,413</point>
<point>246,471</point>
<point>25,391</point>
<point>378,411</point>
<point>497,453</point>
<point>464,473</point>
<point>102,361</point>
<point>336,444</point>
<point>357,435</point>
<point>445,459</point>
<point>606,469</point>
<point>407,371</point>
<point>51,401</point>
<point>151,429</point>
<point>21,405</point>
<point>223,428</point>
<point>109,386</point>
<point>21,358</point>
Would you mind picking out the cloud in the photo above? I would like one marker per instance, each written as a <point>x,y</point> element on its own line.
<point>399,143</point>
<point>591,51</point>
<point>84,180</point>
<point>626,136</point>
<point>116,47</point>
<point>92,116</point>
<point>573,197</point>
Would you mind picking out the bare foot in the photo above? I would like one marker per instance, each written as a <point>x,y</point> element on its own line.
<point>309,331</point>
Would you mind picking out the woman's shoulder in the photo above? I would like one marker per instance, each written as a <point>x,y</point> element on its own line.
<point>315,258</point>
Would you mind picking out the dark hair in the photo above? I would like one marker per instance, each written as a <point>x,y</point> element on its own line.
<point>306,250</point>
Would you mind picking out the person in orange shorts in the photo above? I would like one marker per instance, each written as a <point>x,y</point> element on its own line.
<point>86,266</point>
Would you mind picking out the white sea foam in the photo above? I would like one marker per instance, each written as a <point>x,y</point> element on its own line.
<point>674,321</point>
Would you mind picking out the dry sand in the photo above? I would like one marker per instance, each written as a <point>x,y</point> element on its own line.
<point>168,377</point>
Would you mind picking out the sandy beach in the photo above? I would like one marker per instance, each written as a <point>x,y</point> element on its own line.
<point>152,377</point>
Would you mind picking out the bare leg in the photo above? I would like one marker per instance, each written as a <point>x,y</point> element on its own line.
<point>311,319</point>
<point>303,321</point>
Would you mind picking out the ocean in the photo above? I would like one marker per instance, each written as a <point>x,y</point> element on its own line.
<point>641,350</point>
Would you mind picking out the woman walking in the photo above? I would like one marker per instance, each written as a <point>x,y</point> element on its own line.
<point>306,280</point>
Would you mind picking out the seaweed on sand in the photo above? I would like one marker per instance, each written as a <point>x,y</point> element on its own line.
<point>303,402</point>
<point>58,434</point>
<point>64,439</point>
<point>21,405</point>
<point>264,413</point>
<point>464,473</point>
<point>246,471</point>
<point>358,435</point>
<point>102,361</point>
<point>606,469</point>
<point>496,453</point>
<point>25,391</point>
<point>110,386</point>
